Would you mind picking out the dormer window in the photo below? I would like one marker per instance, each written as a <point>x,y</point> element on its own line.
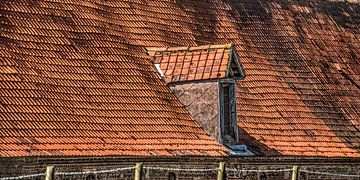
<point>204,80</point>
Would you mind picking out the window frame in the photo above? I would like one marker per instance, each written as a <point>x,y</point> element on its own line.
<point>233,115</point>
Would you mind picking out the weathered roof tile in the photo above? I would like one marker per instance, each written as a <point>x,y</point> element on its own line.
<point>71,84</point>
<point>78,62</point>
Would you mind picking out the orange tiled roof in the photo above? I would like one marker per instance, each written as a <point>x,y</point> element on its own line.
<point>207,62</point>
<point>72,69</point>
<point>72,84</point>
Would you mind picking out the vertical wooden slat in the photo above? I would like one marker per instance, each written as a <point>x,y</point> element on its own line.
<point>138,170</point>
<point>221,172</point>
<point>49,174</point>
<point>221,111</point>
<point>295,172</point>
<point>233,118</point>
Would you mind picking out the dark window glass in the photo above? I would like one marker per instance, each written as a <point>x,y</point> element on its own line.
<point>228,117</point>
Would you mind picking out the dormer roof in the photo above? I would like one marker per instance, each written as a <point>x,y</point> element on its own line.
<point>199,63</point>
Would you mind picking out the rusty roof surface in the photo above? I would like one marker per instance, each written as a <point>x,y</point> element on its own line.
<point>199,63</point>
<point>75,79</point>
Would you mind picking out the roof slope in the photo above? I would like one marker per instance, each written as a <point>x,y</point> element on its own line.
<point>295,99</point>
<point>71,84</point>
<point>207,62</point>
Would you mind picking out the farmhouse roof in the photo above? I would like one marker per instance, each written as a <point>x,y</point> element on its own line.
<point>73,84</point>
<point>75,79</point>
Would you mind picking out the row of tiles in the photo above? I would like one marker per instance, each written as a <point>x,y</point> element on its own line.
<point>187,25</point>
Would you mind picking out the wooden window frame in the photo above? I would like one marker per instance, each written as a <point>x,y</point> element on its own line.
<point>231,109</point>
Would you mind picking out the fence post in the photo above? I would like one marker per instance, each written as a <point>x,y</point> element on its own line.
<point>295,172</point>
<point>138,170</point>
<point>221,172</point>
<point>50,172</point>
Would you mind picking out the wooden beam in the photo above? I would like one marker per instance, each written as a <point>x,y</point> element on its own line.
<point>295,172</point>
<point>49,174</point>
<point>138,170</point>
<point>221,171</point>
